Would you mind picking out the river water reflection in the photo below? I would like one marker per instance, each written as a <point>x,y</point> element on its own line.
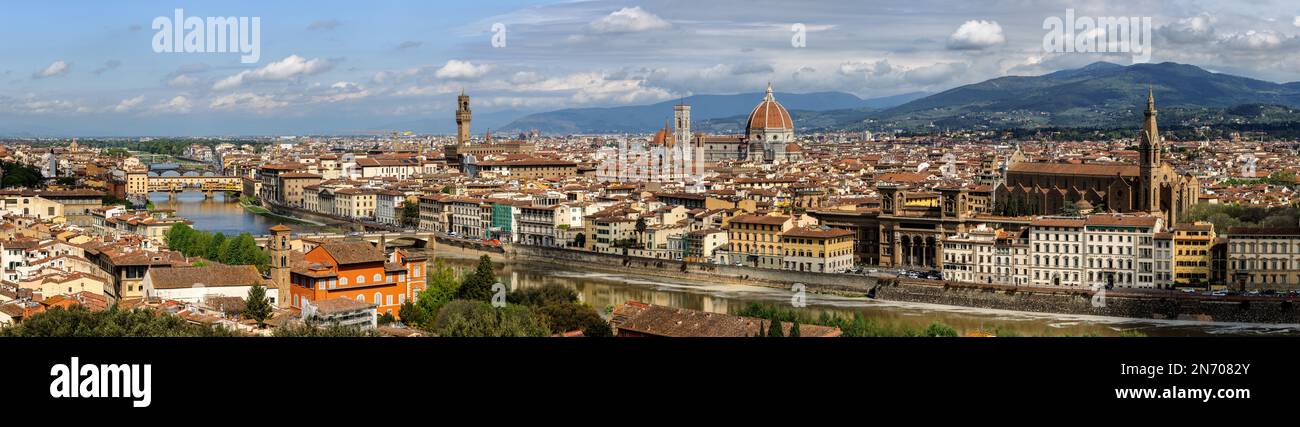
<point>218,214</point>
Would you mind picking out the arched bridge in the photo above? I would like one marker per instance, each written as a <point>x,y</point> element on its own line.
<point>422,239</point>
<point>206,184</point>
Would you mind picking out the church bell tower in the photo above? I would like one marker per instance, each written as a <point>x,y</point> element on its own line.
<point>1149,149</point>
<point>278,247</point>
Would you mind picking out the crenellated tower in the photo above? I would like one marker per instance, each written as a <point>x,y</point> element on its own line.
<point>463,117</point>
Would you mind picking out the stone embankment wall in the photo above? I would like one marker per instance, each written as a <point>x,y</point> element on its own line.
<point>1081,302</point>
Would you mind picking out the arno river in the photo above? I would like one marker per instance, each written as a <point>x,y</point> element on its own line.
<point>602,290</point>
<point>217,214</point>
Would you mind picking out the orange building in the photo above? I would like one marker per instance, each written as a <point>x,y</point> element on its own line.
<point>357,270</point>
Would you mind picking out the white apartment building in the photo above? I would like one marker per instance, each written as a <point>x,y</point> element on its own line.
<point>388,203</point>
<point>1011,258</point>
<point>1056,245</point>
<point>1120,250</point>
<point>1264,258</point>
<point>969,257</point>
<point>1164,259</point>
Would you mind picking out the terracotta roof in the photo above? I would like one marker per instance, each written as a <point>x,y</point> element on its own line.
<point>769,114</point>
<point>208,275</point>
<point>1089,169</point>
<point>353,252</point>
<point>1264,231</point>
<point>1058,222</point>
<point>760,219</point>
<point>1121,220</point>
<point>340,305</point>
<point>816,232</point>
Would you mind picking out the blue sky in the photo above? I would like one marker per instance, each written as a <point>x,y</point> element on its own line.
<point>88,68</point>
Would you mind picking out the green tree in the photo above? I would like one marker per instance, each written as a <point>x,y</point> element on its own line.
<point>77,321</point>
<point>412,315</point>
<point>178,237</point>
<point>386,318</point>
<point>550,294</point>
<point>478,285</point>
<point>794,329</point>
<point>775,329</point>
<point>441,287</point>
<point>1070,209</point>
<point>410,215</point>
<point>14,174</point>
<point>572,316</point>
<point>520,321</point>
<point>257,306</point>
<point>214,246</point>
<point>462,318</point>
<point>937,329</point>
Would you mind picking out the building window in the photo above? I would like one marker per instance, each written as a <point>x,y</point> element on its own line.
<point>379,299</point>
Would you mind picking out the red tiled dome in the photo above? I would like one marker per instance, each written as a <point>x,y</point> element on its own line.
<point>769,114</point>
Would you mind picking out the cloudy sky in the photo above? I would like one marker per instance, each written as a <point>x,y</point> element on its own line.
<point>90,68</point>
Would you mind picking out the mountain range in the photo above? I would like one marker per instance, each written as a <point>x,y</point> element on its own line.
<point>1092,96</point>
<point>1100,95</point>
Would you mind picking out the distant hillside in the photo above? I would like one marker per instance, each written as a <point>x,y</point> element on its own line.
<point>704,109</point>
<point>1095,95</point>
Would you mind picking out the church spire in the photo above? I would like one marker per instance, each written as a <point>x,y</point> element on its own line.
<point>769,96</point>
<point>1151,132</point>
<point>1151,102</point>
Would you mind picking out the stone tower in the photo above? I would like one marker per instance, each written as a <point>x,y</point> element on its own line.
<point>463,117</point>
<point>682,127</point>
<point>1149,151</point>
<point>278,247</point>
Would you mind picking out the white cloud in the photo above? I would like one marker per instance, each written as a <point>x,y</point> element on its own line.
<point>128,104</point>
<point>288,68</point>
<point>1296,22</point>
<point>54,69</point>
<point>935,74</point>
<point>461,70</point>
<point>870,69</point>
<point>1253,40</point>
<point>343,91</point>
<point>182,80</point>
<point>974,35</point>
<point>598,88</point>
<point>383,77</point>
<point>526,77</point>
<point>177,105</point>
<point>1196,29</point>
<point>629,20</point>
<point>33,105</point>
<point>246,100</point>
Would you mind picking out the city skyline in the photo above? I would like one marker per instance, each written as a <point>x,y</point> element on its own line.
<point>398,66</point>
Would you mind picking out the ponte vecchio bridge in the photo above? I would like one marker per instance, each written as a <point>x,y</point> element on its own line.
<point>206,184</point>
